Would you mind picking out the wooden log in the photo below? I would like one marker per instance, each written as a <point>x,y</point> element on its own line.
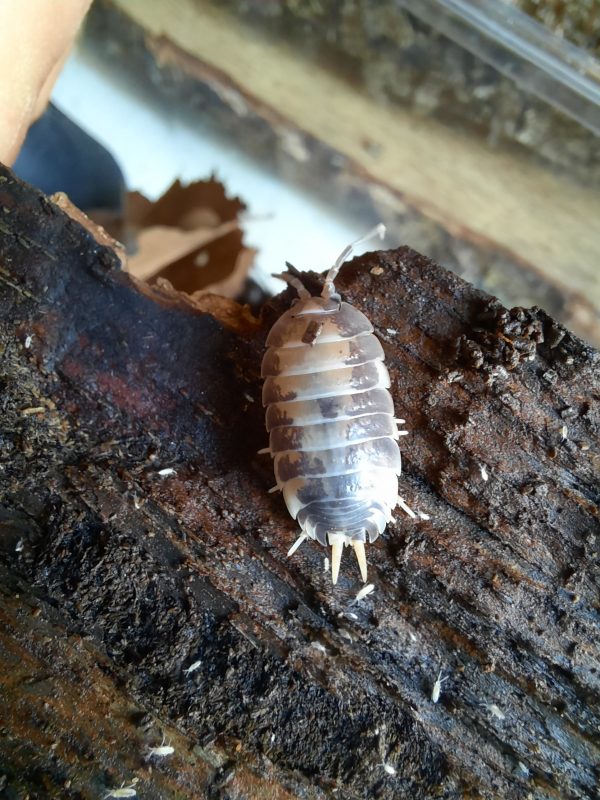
<point>145,578</point>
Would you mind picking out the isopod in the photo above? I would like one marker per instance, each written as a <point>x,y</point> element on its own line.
<point>436,689</point>
<point>123,791</point>
<point>330,418</point>
<point>161,751</point>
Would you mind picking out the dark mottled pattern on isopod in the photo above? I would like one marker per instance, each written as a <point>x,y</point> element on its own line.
<point>333,382</point>
<point>331,421</point>
<point>290,328</point>
<point>343,406</point>
<point>320,356</point>
<point>349,458</point>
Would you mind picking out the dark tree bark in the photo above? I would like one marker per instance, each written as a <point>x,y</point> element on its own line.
<point>136,601</point>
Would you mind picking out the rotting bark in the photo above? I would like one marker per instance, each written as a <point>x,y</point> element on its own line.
<point>117,578</point>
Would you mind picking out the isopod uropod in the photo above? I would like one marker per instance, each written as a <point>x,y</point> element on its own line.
<point>330,418</point>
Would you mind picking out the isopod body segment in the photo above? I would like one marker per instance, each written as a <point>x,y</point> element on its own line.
<point>330,418</point>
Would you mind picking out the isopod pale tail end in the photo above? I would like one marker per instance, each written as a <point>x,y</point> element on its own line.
<point>359,549</point>
<point>336,540</point>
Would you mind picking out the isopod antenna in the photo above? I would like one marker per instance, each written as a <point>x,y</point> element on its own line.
<point>293,277</point>
<point>328,286</point>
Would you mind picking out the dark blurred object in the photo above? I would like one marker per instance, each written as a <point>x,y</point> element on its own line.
<point>58,156</point>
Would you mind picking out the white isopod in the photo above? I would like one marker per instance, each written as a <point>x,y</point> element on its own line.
<point>161,751</point>
<point>123,791</point>
<point>436,689</point>
<point>330,418</point>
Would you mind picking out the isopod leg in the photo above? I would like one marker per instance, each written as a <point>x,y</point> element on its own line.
<point>296,544</point>
<point>406,508</point>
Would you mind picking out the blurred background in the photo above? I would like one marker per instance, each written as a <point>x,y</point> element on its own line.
<point>470,128</point>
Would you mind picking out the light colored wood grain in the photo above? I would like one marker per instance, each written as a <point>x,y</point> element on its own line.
<point>450,176</point>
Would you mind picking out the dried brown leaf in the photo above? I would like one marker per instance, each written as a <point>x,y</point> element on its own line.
<point>191,237</point>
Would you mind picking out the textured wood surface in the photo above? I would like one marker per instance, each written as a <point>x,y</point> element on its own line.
<point>118,577</point>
